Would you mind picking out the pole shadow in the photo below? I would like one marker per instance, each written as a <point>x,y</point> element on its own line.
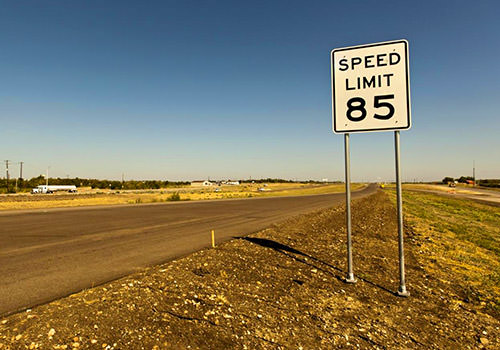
<point>292,252</point>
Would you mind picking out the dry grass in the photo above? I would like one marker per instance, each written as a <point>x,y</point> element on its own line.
<point>271,190</point>
<point>156,196</point>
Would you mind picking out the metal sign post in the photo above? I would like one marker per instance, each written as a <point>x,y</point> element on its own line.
<point>350,274</point>
<point>402,285</point>
<point>371,92</point>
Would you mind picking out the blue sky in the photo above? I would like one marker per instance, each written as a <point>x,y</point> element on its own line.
<point>196,89</point>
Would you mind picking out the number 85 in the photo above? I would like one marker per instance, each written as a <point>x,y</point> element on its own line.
<point>358,104</point>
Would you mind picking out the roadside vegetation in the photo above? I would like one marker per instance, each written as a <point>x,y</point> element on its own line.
<point>459,243</point>
<point>25,185</point>
<point>490,183</point>
<point>92,197</point>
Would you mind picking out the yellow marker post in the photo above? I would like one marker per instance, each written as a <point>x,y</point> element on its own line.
<point>213,239</point>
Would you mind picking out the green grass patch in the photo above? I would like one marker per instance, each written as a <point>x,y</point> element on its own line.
<point>459,241</point>
<point>470,221</point>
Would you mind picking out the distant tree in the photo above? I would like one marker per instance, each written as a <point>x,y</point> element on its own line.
<point>26,185</point>
<point>463,179</point>
<point>448,179</point>
<point>489,182</point>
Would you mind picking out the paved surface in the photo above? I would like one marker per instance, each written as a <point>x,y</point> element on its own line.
<point>481,195</point>
<point>47,254</point>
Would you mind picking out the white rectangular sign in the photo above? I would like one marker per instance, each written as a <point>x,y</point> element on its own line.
<point>371,87</point>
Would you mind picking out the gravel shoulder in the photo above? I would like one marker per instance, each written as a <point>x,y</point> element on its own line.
<point>281,288</point>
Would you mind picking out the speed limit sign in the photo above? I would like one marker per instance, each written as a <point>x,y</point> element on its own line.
<point>371,87</point>
<point>371,92</point>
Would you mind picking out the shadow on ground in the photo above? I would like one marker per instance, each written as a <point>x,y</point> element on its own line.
<point>289,251</point>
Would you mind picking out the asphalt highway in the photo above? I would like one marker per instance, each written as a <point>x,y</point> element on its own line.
<point>481,195</point>
<point>48,254</point>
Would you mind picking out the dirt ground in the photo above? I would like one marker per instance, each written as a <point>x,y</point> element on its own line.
<point>281,288</point>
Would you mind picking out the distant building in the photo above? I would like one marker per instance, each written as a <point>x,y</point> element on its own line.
<point>201,183</point>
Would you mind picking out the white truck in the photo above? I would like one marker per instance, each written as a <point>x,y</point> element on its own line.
<point>53,188</point>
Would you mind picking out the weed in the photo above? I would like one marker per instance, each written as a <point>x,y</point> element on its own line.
<point>174,197</point>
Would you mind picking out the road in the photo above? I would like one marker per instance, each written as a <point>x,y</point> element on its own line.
<point>480,195</point>
<point>48,254</point>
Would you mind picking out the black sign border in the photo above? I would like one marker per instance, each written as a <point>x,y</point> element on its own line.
<point>407,68</point>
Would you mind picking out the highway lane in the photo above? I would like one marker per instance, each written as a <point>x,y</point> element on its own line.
<point>48,254</point>
<point>481,195</point>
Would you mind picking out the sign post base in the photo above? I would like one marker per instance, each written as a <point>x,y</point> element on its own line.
<point>350,278</point>
<point>402,292</point>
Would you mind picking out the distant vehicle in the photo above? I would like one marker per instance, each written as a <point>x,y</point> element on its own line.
<point>452,184</point>
<point>200,183</point>
<point>54,188</point>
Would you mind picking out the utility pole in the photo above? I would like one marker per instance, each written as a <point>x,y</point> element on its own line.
<point>21,170</point>
<point>7,171</point>
<point>7,168</point>
<point>47,178</point>
<point>474,173</point>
